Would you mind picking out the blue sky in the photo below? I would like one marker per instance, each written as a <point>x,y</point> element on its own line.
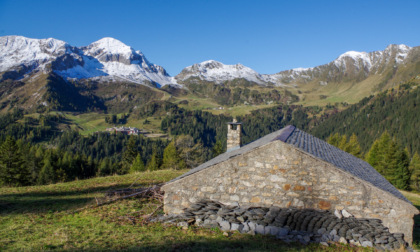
<point>268,36</point>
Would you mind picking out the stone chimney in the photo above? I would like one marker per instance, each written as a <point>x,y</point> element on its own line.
<point>233,136</point>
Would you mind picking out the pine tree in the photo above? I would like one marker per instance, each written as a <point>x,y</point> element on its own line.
<point>105,167</point>
<point>381,153</point>
<point>153,163</point>
<point>415,171</point>
<point>190,153</point>
<point>401,170</point>
<point>217,149</point>
<point>138,165</point>
<point>343,142</point>
<point>130,153</point>
<point>390,161</point>
<point>373,156</point>
<point>353,146</point>
<point>334,139</point>
<point>170,157</point>
<point>32,163</point>
<point>12,169</point>
<point>47,174</point>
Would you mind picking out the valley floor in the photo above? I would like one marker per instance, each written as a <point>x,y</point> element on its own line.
<point>64,216</point>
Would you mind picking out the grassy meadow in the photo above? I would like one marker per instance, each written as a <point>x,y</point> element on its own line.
<point>65,217</point>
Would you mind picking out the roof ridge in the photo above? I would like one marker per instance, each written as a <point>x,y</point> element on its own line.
<point>286,133</point>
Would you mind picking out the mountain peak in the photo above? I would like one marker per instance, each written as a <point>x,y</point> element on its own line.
<point>400,47</point>
<point>19,51</point>
<point>112,46</point>
<point>215,71</point>
<point>20,43</point>
<point>107,57</point>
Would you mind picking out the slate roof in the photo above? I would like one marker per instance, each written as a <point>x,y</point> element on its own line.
<point>341,159</point>
<point>315,147</point>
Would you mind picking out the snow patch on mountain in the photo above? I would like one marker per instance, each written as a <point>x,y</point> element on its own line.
<point>16,51</point>
<point>110,59</point>
<point>217,72</point>
<point>364,60</point>
<point>105,57</point>
<point>110,46</point>
<point>118,59</point>
<point>89,69</point>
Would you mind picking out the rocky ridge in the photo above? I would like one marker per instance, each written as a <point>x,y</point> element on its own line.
<point>107,59</point>
<point>349,65</point>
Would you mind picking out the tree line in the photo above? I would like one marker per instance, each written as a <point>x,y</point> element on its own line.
<point>395,111</point>
<point>387,156</point>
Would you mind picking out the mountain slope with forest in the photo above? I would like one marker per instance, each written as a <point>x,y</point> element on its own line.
<point>395,111</point>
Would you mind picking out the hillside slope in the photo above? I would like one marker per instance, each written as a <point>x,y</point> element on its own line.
<point>396,111</point>
<point>64,217</point>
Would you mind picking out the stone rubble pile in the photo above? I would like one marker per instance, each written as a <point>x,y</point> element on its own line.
<point>294,225</point>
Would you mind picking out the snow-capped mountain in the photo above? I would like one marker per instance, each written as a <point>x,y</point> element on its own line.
<point>214,71</point>
<point>350,65</point>
<point>24,54</point>
<point>106,58</point>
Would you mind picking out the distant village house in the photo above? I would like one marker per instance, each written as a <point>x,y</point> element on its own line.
<point>126,130</point>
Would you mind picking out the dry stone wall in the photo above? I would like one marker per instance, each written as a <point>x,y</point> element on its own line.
<point>278,174</point>
<point>292,225</point>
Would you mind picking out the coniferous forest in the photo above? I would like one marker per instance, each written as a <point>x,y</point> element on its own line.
<point>381,129</point>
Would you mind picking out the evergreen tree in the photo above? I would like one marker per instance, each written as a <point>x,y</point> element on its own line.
<point>217,149</point>
<point>130,152</point>
<point>32,162</point>
<point>190,153</point>
<point>373,156</point>
<point>415,171</point>
<point>342,144</point>
<point>153,163</point>
<point>47,173</point>
<point>105,167</point>
<point>390,160</point>
<point>401,170</point>
<point>138,165</point>
<point>170,157</point>
<point>12,169</point>
<point>381,153</point>
<point>334,139</point>
<point>353,146</point>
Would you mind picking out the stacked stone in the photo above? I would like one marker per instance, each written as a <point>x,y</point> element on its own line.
<point>290,225</point>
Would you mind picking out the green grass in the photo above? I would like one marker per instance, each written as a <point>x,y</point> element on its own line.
<point>415,199</point>
<point>64,216</point>
<point>88,123</point>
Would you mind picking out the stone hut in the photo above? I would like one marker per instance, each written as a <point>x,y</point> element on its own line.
<point>290,168</point>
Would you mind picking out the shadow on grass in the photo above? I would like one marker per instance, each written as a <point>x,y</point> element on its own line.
<point>47,201</point>
<point>244,244</point>
<point>416,229</point>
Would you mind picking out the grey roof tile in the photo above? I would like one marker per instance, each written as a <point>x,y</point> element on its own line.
<point>341,159</point>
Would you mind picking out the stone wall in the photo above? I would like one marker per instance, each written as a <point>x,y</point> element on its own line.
<point>290,224</point>
<point>278,174</point>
